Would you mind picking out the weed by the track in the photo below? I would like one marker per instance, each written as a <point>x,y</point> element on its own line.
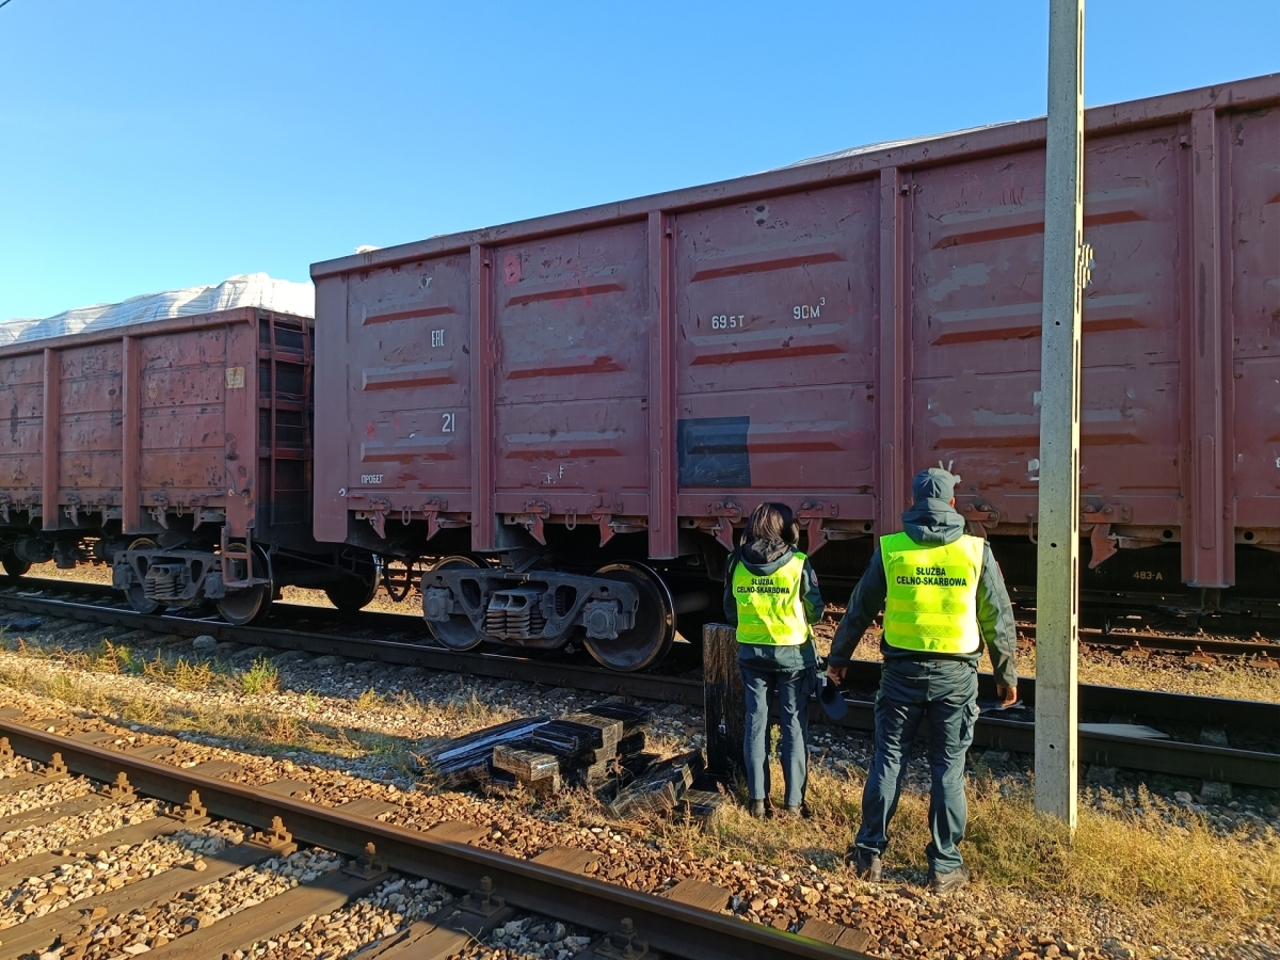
<point>1178,878</point>
<point>184,674</point>
<point>261,677</point>
<point>107,657</point>
<point>370,699</point>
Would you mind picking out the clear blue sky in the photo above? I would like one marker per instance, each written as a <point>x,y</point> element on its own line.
<point>151,145</point>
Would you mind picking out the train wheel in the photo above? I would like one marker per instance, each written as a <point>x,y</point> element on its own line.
<point>354,593</point>
<point>13,566</point>
<point>136,596</point>
<point>648,641</point>
<point>241,607</point>
<point>459,633</point>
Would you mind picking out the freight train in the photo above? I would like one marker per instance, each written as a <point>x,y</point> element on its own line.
<point>556,427</point>
<point>178,451</point>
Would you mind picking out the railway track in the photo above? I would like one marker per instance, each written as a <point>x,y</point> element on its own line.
<point>484,890</point>
<point>1202,738</point>
<point>1260,653</point>
<point>408,628</point>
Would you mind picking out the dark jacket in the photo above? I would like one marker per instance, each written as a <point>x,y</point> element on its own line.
<point>761,558</point>
<point>934,521</point>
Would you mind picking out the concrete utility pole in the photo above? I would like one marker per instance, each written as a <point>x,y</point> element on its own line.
<point>1066,264</point>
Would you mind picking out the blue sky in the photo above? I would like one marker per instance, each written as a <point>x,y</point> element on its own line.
<point>152,145</point>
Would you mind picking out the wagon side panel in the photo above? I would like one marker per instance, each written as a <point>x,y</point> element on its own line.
<point>572,322</point>
<point>397,399</point>
<point>776,331</point>
<point>198,421</point>
<point>22,405</point>
<point>976,273</point>
<point>1252,143</point>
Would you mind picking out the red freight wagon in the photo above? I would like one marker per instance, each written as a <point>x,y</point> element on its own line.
<point>179,450</point>
<point>617,387</point>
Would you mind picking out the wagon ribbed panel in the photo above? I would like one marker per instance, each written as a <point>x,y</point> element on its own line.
<point>406,375</point>
<point>1253,151</point>
<point>775,306</point>
<point>572,320</point>
<point>22,405</point>
<point>976,260</point>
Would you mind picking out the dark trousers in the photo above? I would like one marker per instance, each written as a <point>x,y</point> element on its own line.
<point>945,693</point>
<point>792,689</point>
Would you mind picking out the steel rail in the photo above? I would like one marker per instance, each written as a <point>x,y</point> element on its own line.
<point>1089,636</point>
<point>366,619</point>
<point>1096,637</point>
<point>1172,757</point>
<point>668,926</point>
<point>1256,715</point>
<point>502,666</point>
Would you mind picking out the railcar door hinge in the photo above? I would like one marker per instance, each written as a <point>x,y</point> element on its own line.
<point>603,516</point>
<point>979,516</point>
<point>378,520</point>
<point>728,512</point>
<point>432,510</point>
<point>538,511</point>
<point>812,513</point>
<point>1102,545</point>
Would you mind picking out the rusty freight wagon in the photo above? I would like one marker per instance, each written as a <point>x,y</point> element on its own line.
<point>577,412</point>
<point>179,451</point>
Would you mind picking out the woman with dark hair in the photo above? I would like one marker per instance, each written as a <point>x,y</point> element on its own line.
<point>771,594</point>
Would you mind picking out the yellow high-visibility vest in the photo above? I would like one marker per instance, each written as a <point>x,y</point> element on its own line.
<point>932,600</point>
<point>770,607</point>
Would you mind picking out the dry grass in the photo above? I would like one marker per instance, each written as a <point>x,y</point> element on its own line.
<point>266,727</point>
<point>184,674</point>
<point>1163,867</point>
<point>86,572</point>
<point>1234,681</point>
<point>260,728</point>
<point>1228,679</point>
<point>101,573</point>
<point>369,699</point>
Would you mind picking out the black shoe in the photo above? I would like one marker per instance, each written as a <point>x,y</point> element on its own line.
<point>865,864</point>
<point>800,810</point>
<point>757,809</point>
<point>944,883</point>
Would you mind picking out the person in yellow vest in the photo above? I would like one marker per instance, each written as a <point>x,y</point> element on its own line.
<point>771,594</point>
<point>943,597</point>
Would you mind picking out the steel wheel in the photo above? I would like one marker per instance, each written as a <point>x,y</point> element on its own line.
<point>136,596</point>
<point>244,606</point>
<point>241,607</point>
<point>459,633</point>
<point>648,641</point>
<point>13,566</point>
<point>353,593</point>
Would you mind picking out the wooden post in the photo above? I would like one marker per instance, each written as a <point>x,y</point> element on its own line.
<point>724,704</point>
<point>1066,260</point>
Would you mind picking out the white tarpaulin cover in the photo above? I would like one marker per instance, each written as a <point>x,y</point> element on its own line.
<point>246,290</point>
